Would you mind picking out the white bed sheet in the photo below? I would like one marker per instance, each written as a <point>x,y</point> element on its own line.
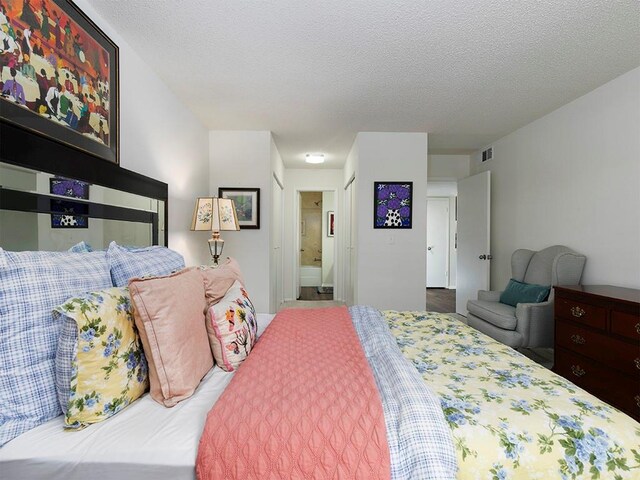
<point>145,441</point>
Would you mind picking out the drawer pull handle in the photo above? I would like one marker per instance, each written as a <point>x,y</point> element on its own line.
<point>577,371</point>
<point>638,327</point>
<point>637,399</point>
<point>577,312</point>
<point>637,362</point>
<point>579,340</point>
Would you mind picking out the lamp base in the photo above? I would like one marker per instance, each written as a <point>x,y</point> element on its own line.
<point>216,245</point>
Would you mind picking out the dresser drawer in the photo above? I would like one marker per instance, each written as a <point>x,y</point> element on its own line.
<point>580,340</point>
<point>582,371</point>
<point>626,324</point>
<point>620,390</point>
<point>614,353</point>
<point>624,357</point>
<point>580,312</point>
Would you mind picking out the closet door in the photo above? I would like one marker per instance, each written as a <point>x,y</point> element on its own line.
<point>350,241</point>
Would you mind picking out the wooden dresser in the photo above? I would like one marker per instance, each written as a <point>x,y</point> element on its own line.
<point>597,342</point>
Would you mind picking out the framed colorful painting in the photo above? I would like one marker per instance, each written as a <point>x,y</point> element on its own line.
<point>331,224</point>
<point>59,75</point>
<point>392,204</point>
<point>247,201</point>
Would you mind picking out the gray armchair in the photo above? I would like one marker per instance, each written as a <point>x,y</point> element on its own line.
<point>527,324</point>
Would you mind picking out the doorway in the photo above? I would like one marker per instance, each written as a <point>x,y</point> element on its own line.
<point>441,247</point>
<point>317,237</point>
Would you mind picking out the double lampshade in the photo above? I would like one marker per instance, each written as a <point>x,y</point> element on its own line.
<point>215,215</point>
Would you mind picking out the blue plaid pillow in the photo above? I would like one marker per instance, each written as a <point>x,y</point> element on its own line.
<point>128,263</point>
<point>32,284</point>
<point>81,247</point>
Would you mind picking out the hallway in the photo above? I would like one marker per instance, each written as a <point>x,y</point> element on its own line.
<point>442,300</point>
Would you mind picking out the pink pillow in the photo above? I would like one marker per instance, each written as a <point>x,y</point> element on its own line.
<point>169,314</point>
<point>232,328</point>
<point>218,280</point>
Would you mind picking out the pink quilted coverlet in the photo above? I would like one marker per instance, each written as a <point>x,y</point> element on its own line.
<point>304,405</point>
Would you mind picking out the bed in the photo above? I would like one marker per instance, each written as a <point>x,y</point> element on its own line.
<point>508,417</point>
<point>455,403</point>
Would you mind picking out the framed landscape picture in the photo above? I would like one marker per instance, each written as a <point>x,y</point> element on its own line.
<point>59,75</point>
<point>392,204</point>
<point>247,201</point>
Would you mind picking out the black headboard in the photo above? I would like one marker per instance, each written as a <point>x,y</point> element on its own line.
<point>24,149</point>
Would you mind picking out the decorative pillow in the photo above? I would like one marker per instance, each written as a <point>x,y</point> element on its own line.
<point>169,314</point>
<point>128,263</point>
<point>218,280</point>
<point>519,292</point>
<point>33,284</point>
<point>81,247</point>
<point>100,365</point>
<point>232,328</point>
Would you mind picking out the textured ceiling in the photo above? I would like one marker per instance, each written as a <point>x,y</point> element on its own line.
<point>317,72</point>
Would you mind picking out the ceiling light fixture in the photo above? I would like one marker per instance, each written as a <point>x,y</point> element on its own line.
<point>315,158</point>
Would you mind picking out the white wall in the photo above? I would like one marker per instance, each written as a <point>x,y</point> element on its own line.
<point>297,180</point>
<point>161,138</point>
<point>328,243</point>
<point>448,167</point>
<point>572,177</point>
<point>391,263</point>
<point>244,159</point>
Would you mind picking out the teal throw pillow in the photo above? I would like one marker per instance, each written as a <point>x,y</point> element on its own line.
<point>520,292</point>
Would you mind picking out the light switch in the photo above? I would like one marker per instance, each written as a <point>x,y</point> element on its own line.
<point>392,240</point>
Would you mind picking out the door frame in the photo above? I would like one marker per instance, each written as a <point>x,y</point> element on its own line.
<point>279,264</point>
<point>447,241</point>
<point>297,212</point>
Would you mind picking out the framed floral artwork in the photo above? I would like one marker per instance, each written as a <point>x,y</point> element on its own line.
<point>392,204</point>
<point>59,75</point>
<point>247,201</point>
<point>69,214</point>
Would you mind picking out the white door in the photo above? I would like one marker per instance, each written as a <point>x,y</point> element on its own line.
<point>473,269</point>
<point>353,233</point>
<point>437,242</point>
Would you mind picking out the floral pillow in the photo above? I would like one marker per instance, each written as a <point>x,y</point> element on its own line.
<point>100,364</point>
<point>232,328</point>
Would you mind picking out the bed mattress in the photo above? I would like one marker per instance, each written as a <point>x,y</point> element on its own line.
<point>144,441</point>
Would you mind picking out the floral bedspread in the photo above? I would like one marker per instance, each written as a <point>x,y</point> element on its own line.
<point>510,417</point>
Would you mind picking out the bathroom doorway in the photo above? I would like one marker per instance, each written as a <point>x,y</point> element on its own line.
<point>317,237</point>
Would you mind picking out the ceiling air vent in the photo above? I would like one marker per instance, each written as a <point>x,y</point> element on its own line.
<point>487,154</point>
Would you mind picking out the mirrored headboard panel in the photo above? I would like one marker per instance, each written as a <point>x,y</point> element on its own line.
<point>52,197</point>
